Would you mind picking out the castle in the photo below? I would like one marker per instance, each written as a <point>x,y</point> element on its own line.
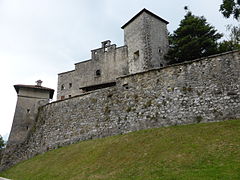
<point>145,44</point>
<point>124,89</point>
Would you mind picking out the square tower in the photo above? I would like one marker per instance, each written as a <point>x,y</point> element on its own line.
<point>30,98</point>
<point>147,39</point>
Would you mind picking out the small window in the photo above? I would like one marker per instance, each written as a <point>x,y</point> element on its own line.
<point>69,96</point>
<point>125,86</point>
<point>70,85</point>
<point>136,55</point>
<point>62,87</point>
<point>160,51</point>
<point>62,97</point>
<point>28,110</point>
<point>27,127</point>
<point>98,72</point>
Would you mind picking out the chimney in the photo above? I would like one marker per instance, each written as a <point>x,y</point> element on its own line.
<point>39,82</point>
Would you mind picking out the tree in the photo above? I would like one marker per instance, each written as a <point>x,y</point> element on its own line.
<point>227,46</point>
<point>194,38</point>
<point>234,33</point>
<point>2,144</point>
<point>234,40</point>
<point>230,7</point>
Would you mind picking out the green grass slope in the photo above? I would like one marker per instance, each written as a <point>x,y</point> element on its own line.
<point>201,151</point>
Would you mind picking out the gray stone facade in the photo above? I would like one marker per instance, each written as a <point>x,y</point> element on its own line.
<point>107,63</point>
<point>30,98</point>
<point>146,43</point>
<point>204,90</point>
<point>146,38</point>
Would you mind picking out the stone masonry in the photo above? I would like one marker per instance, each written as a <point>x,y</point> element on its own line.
<point>145,44</point>
<point>205,90</point>
<point>30,98</point>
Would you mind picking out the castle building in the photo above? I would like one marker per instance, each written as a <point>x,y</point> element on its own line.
<point>145,44</point>
<point>203,90</point>
<point>30,98</point>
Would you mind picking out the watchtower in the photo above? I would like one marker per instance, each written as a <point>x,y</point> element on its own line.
<point>30,98</point>
<point>146,38</point>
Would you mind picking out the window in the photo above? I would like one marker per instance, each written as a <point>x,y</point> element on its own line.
<point>69,96</point>
<point>98,72</point>
<point>136,55</point>
<point>70,85</point>
<point>125,86</point>
<point>62,87</point>
<point>160,51</point>
<point>28,110</point>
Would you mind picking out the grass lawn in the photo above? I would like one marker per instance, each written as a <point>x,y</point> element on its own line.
<point>201,151</point>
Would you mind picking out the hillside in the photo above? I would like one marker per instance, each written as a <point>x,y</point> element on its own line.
<point>200,151</point>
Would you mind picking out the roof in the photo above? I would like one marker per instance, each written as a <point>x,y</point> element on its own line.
<point>18,86</point>
<point>146,11</point>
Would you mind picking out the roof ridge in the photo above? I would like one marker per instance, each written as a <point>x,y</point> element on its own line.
<point>147,11</point>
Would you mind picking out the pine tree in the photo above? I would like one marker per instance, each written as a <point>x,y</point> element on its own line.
<point>194,38</point>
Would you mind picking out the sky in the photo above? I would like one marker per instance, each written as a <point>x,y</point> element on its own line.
<point>41,38</point>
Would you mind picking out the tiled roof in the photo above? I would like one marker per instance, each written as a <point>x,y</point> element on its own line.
<point>18,86</point>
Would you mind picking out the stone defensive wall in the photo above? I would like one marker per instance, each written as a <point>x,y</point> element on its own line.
<point>203,90</point>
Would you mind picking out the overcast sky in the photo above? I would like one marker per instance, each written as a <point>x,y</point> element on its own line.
<point>41,38</point>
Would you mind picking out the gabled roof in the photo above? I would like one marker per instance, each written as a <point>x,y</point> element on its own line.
<point>146,11</point>
<point>18,86</point>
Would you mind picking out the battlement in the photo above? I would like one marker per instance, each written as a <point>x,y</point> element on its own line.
<point>97,54</point>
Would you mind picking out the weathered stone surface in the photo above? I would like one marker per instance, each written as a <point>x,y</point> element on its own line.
<point>205,90</point>
<point>147,35</point>
<point>30,98</point>
<point>110,61</point>
<point>145,44</point>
